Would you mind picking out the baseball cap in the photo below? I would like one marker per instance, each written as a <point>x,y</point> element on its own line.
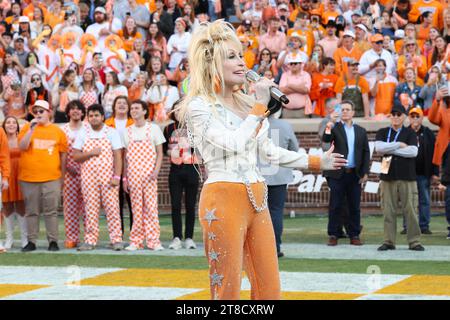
<point>349,33</point>
<point>376,37</point>
<point>24,19</point>
<point>100,9</point>
<point>19,38</point>
<point>352,62</point>
<point>399,34</point>
<point>42,104</point>
<point>416,110</point>
<point>331,23</point>
<point>398,108</point>
<point>283,6</point>
<point>294,35</point>
<point>294,58</point>
<point>362,27</point>
<point>357,13</point>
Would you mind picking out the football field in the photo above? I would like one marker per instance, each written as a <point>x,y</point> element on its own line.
<point>310,271</point>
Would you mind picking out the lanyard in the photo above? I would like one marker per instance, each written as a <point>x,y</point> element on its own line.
<point>396,135</point>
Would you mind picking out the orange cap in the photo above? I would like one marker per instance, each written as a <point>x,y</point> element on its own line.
<point>416,110</point>
<point>376,37</point>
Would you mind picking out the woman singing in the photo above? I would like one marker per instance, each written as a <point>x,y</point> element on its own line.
<point>230,130</point>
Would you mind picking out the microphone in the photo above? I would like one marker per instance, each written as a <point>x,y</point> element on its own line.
<point>275,93</point>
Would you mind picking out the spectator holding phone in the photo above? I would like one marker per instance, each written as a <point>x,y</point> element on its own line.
<point>294,47</point>
<point>412,59</point>
<point>428,91</point>
<point>382,90</point>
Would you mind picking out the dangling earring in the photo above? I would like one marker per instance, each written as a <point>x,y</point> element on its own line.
<point>217,85</point>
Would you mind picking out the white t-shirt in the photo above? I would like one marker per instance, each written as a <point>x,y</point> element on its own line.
<point>139,134</point>
<point>155,96</point>
<point>113,137</point>
<point>95,28</point>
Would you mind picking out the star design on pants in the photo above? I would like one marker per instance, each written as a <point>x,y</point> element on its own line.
<point>214,255</point>
<point>216,279</point>
<point>210,216</point>
<point>211,236</point>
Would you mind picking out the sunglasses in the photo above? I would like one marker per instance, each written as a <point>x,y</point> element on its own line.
<point>294,63</point>
<point>35,79</point>
<point>414,116</point>
<point>396,114</point>
<point>379,42</point>
<point>39,111</point>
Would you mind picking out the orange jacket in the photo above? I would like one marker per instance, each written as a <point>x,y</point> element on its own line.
<point>5,167</point>
<point>440,116</point>
<point>111,122</point>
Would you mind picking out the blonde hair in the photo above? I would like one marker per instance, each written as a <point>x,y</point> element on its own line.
<point>206,54</point>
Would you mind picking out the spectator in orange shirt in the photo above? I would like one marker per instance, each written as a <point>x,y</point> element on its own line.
<point>323,86</point>
<point>249,56</point>
<point>138,89</point>
<point>423,29</point>
<point>331,12</point>
<point>29,10</point>
<point>354,87</point>
<point>302,28</point>
<point>382,89</point>
<point>361,34</point>
<point>41,166</point>
<point>432,5</point>
<point>346,51</point>
<point>55,14</point>
<point>129,33</point>
<point>412,59</point>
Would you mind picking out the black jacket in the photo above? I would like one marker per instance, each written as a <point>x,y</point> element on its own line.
<point>428,148</point>
<point>362,151</point>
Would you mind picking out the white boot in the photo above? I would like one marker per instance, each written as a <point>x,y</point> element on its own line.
<point>23,230</point>
<point>9,222</point>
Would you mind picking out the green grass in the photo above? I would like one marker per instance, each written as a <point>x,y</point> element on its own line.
<point>302,229</point>
<point>164,262</point>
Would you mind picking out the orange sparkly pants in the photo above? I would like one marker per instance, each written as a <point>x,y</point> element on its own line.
<point>236,236</point>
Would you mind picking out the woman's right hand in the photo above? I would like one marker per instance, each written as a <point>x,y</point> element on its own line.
<point>262,90</point>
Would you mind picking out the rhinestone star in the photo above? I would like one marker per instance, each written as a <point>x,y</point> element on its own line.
<point>211,236</point>
<point>214,255</point>
<point>216,279</point>
<point>210,216</point>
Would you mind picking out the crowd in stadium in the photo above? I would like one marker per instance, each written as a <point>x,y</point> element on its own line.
<point>87,88</point>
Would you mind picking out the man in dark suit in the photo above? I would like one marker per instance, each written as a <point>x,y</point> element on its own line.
<point>350,140</point>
